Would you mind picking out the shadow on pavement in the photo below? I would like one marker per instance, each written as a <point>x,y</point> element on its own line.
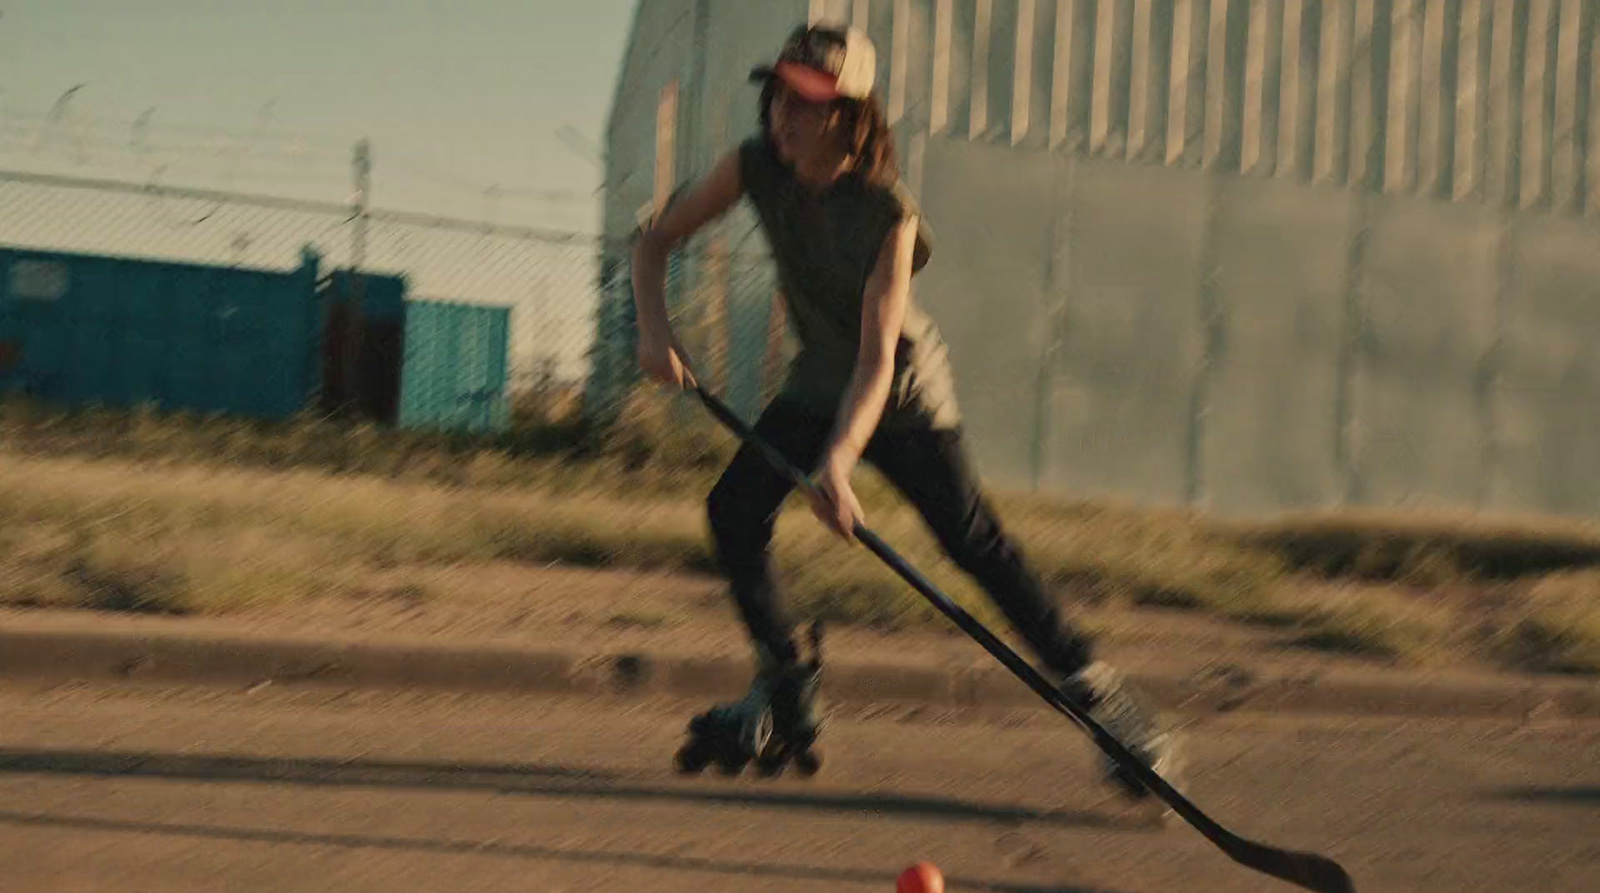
<point>1579,796</point>
<point>493,848</point>
<point>531,780</point>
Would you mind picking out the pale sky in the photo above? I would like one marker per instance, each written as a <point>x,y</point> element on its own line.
<point>269,97</point>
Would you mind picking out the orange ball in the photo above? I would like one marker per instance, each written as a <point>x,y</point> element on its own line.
<point>923,877</point>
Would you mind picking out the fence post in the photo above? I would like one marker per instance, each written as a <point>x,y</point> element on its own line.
<point>362,169</point>
<point>346,353</point>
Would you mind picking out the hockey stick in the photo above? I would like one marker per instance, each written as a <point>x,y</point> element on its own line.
<point>1306,870</point>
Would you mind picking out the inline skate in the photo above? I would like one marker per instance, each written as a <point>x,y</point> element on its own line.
<point>776,723</point>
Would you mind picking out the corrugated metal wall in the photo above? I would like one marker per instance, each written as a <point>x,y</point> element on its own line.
<point>1254,254</point>
<point>1482,99</point>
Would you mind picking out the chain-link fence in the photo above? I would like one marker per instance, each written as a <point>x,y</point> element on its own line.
<point>550,280</point>
<point>571,333</point>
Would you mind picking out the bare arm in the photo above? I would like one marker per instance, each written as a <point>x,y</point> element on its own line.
<point>883,312</point>
<point>659,352</point>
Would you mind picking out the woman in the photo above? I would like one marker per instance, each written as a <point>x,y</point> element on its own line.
<point>871,379</point>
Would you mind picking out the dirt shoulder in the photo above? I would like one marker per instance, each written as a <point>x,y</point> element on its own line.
<point>504,626</point>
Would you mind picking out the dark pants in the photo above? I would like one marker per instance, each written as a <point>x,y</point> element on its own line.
<point>930,469</point>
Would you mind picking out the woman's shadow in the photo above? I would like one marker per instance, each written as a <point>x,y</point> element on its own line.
<point>512,779</point>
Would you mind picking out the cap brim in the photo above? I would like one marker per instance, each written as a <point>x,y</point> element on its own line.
<point>809,83</point>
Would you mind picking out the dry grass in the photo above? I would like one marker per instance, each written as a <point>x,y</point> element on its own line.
<point>1558,625</point>
<point>1379,621</point>
<point>134,512</point>
<point>1423,548</point>
<point>180,538</point>
<point>197,572</point>
<point>649,454</point>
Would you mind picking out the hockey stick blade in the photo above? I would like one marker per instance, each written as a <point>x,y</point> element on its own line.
<point>1306,870</point>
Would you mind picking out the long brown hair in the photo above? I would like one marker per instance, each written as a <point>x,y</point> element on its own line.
<point>869,140</point>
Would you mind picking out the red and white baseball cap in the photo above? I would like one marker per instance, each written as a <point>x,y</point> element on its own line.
<point>822,63</point>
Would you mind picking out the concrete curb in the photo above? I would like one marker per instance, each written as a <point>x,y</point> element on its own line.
<point>232,659</point>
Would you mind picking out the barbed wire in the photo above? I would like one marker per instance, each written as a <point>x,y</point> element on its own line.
<point>68,142</point>
<point>568,292</point>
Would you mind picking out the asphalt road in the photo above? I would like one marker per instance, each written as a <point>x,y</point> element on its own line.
<point>159,789</point>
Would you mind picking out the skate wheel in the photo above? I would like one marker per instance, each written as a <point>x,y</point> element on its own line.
<point>770,767</point>
<point>808,763</point>
<point>691,759</point>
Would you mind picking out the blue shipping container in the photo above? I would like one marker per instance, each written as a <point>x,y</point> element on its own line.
<point>454,377</point>
<point>83,329</point>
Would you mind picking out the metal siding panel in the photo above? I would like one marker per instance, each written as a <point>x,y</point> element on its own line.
<point>1120,410</point>
<point>1186,82</point>
<point>1466,173</point>
<point>1501,131</point>
<point>1335,63</point>
<point>1434,98</point>
<point>1549,377</point>
<point>1566,171</point>
<point>1281,260</point>
<point>1428,295</point>
<point>986,288</point>
<point>1063,111</point>
<point>1368,38</point>
<point>941,60</point>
